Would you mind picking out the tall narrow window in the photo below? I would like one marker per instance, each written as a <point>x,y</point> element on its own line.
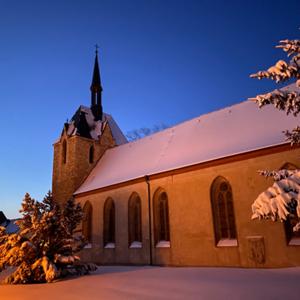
<point>223,213</point>
<point>292,237</point>
<point>134,221</point>
<point>64,151</point>
<point>87,222</point>
<point>161,219</point>
<point>91,155</point>
<point>109,224</point>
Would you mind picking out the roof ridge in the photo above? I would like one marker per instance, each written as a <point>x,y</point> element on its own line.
<point>183,122</point>
<point>172,128</point>
<point>207,114</point>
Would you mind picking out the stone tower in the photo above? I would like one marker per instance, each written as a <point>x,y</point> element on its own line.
<point>83,141</point>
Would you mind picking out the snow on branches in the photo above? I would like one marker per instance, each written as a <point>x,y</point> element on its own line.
<point>278,175</point>
<point>288,101</point>
<point>281,201</point>
<point>292,48</point>
<point>44,248</point>
<point>293,136</point>
<point>282,100</point>
<point>280,72</point>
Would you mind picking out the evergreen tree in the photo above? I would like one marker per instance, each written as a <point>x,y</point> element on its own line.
<point>44,248</point>
<point>282,200</point>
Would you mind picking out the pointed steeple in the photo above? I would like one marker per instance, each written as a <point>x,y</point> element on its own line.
<point>96,91</point>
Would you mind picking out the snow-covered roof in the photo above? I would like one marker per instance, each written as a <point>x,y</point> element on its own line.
<point>115,129</point>
<point>83,124</point>
<point>236,129</point>
<point>9,225</point>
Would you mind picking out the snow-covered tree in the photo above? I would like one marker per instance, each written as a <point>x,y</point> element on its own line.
<point>140,133</point>
<point>282,200</point>
<point>45,247</point>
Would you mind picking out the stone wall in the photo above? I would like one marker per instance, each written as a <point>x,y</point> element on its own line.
<point>67,177</point>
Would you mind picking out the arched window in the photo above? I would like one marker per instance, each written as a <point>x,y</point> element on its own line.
<point>87,222</point>
<point>223,212</point>
<point>91,154</point>
<point>289,166</point>
<point>109,224</point>
<point>134,221</point>
<point>64,151</point>
<point>161,219</point>
<point>292,237</point>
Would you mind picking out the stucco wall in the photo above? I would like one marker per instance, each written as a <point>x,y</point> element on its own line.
<point>192,240</point>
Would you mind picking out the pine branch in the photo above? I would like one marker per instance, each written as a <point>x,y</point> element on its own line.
<point>291,47</point>
<point>293,136</point>
<point>282,100</point>
<point>277,175</point>
<point>280,72</point>
<point>282,199</point>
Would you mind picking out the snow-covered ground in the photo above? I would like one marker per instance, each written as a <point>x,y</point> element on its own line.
<point>166,283</point>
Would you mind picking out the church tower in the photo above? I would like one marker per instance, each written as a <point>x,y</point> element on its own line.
<point>96,91</point>
<point>83,141</point>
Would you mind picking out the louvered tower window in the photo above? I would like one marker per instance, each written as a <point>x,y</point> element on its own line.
<point>91,155</point>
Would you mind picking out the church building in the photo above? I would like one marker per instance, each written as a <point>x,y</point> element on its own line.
<point>179,197</point>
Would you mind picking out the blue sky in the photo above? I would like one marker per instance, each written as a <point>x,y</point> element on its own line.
<point>160,61</point>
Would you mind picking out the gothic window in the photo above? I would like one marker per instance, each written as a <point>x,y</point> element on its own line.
<point>91,155</point>
<point>292,237</point>
<point>64,151</point>
<point>87,222</point>
<point>289,166</point>
<point>161,218</point>
<point>134,221</point>
<point>223,212</point>
<point>109,224</point>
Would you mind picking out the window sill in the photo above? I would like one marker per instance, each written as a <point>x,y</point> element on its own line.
<point>227,243</point>
<point>135,244</point>
<point>88,246</point>
<point>163,244</point>
<point>294,242</point>
<point>110,246</point>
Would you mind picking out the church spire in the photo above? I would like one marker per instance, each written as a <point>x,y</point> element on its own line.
<point>96,90</point>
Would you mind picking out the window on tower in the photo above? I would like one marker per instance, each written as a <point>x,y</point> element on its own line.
<point>91,154</point>
<point>64,151</point>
